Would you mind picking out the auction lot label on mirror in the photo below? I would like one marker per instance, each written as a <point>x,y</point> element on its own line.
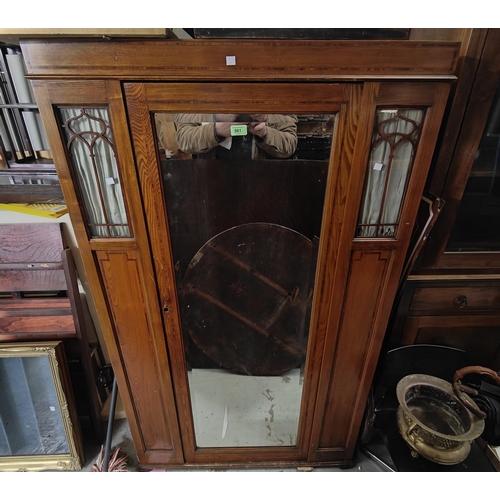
<point>239,130</point>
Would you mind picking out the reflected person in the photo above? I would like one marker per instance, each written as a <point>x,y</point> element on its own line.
<point>212,136</point>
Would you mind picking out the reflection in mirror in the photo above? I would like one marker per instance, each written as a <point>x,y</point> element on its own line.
<point>476,224</point>
<point>244,136</point>
<point>237,136</point>
<point>30,418</point>
<point>244,207</point>
<point>38,426</point>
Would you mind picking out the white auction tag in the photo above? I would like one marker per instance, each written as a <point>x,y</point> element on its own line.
<point>230,60</point>
<point>378,166</point>
<point>110,181</point>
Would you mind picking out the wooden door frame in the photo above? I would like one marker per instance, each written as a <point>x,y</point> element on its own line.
<point>143,99</point>
<point>357,105</point>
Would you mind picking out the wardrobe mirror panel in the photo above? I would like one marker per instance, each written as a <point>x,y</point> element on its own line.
<point>244,196</point>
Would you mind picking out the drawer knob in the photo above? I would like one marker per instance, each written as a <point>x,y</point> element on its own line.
<point>460,301</point>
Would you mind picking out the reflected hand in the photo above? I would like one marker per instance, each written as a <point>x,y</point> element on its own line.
<point>258,128</point>
<point>223,124</point>
<point>223,129</point>
<point>259,117</point>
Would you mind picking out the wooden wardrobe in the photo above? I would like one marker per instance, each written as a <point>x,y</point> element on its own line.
<point>452,295</point>
<point>243,302</point>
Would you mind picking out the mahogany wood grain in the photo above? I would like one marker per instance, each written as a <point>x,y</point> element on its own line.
<point>444,299</point>
<point>255,59</point>
<point>45,326</point>
<point>31,261</point>
<point>32,281</point>
<point>19,244</point>
<point>484,262</point>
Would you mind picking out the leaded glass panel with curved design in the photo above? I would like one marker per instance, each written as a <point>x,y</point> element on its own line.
<point>92,155</point>
<point>394,146</point>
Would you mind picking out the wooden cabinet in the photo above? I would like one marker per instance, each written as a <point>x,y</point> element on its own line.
<point>460,313</point>
<point>243,299</point>
<point>40,301</point>
<point>449,299</point>
<point>451,296</point>
<point>465,172</point>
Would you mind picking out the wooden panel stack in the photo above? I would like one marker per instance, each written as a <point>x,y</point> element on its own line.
<point>40,301</point>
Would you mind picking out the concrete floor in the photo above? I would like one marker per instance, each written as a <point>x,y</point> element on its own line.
<point>231,410</point>
<point>123,439</point>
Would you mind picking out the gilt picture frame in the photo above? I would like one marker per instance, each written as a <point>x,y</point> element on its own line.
<point>39,429</point>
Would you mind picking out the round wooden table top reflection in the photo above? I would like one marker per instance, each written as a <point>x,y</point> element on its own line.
<point>246,298</point>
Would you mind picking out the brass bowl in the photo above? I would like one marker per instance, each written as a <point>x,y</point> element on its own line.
<point>433,421</point>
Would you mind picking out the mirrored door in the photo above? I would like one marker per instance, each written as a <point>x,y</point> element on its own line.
<point>244,182</point>
<point>244,196</point>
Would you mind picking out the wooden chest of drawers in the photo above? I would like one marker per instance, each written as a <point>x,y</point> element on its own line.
<point>455,312</point>
<point>483,297</point>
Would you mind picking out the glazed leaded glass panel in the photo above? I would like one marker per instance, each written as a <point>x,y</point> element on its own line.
<point>394,146</point>
<point>92,155</point>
